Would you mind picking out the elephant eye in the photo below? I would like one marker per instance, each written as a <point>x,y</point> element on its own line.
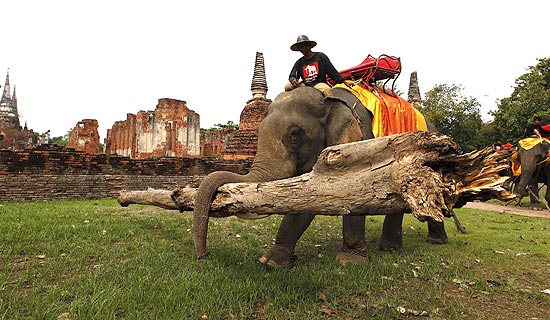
<point>294,136</point>
<point>296,133</point>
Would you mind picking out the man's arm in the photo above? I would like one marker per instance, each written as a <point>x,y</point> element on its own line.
<point>331,70</point>
<point>295,72</point>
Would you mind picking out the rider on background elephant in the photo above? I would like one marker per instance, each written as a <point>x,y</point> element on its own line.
<point>535,129</point>
<point>532,157</point>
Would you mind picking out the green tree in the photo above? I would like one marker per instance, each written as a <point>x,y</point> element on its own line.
<point>219,126</point>
<point>62,141</point>
<point>531,96</point>
<point>455,115</point>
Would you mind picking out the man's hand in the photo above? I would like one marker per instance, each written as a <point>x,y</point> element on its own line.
<point>349,83</point>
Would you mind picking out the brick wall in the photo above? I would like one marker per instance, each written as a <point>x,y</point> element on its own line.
<point>52,172</point>
<point>84,136</point>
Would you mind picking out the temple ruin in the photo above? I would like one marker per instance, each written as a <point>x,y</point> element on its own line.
<point>243,144</point>
<point>84,136</point>
<point>170,130</point>
<point>12,135</point>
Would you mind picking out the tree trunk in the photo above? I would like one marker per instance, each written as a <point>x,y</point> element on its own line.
<point>419,172</point>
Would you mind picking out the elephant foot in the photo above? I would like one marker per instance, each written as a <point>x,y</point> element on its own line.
<point>437,240</point>
<point>388,245</point>
<point>355,256</point>
<point>537,205</point>
<point>436,233</point>
<point>279,256</point>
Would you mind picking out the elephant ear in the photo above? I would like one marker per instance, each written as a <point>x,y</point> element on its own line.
<point>341,126</point>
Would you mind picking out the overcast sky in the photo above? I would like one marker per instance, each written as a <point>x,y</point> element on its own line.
<point>74,60</point>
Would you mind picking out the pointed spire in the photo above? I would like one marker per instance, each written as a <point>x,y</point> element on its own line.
<point>9,113</point>
<point>414,91</point>
<point>6,95</point>
<point>259,83</point>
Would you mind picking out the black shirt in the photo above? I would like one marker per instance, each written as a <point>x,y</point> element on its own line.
<point>530,130</point>
<point>314,70</point>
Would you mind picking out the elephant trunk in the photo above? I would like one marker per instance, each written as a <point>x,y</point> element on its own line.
<point>272,162</point>
<point>203,200</point>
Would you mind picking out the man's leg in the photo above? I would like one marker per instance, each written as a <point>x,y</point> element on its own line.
<point>324,88</point>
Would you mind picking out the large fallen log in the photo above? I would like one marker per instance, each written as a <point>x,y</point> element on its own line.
<point>420,172</point>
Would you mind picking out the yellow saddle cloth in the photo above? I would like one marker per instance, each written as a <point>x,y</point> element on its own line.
<point>528,143</point>
<point>525,143</point>
<point>391,115</point>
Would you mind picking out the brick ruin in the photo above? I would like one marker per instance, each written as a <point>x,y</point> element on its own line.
<point>171,130</point>
<point>243,144</point>
<point>84,136</point>
<point>214,142</point>
<point>12,135</point>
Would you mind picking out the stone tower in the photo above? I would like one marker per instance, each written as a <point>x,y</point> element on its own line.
<point>414,92</point>
<point>12,136</point>
<point>259,83</point>
<point>243,144</point>
<point>9,116</point>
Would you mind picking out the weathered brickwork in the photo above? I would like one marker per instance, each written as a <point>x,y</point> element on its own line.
<point>214,142</point>
<point>16,139</point>
<point>52,172</point>
<point>243,144</point>
<point>84,136</point>
<point>170,130</point>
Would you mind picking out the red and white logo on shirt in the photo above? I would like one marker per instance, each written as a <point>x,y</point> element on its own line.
<point>310,72</point>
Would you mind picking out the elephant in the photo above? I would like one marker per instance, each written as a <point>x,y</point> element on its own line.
<point>299,125</point>
<point>534,170</point>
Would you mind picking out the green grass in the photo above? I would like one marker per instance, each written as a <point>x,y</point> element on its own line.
<point>97,260</point>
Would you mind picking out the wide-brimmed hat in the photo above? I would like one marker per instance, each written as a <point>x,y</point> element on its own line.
<point>302,40</point>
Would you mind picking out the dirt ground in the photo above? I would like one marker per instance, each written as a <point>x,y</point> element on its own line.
<point>522,211</point>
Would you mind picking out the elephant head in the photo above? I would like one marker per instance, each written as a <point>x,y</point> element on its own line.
<point>533,169</point>
<point>299,125</point>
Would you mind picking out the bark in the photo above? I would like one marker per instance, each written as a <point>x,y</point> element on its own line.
<point>420,172</point>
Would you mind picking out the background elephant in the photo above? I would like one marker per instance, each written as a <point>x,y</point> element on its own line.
<point>299,125</point>
<point>533,170</point>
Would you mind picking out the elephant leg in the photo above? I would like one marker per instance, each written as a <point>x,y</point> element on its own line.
<point>291,229</point>
<point>392,233</point>
<point>354,248</point>
<point>534,194</point>
<point>436,233</point>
